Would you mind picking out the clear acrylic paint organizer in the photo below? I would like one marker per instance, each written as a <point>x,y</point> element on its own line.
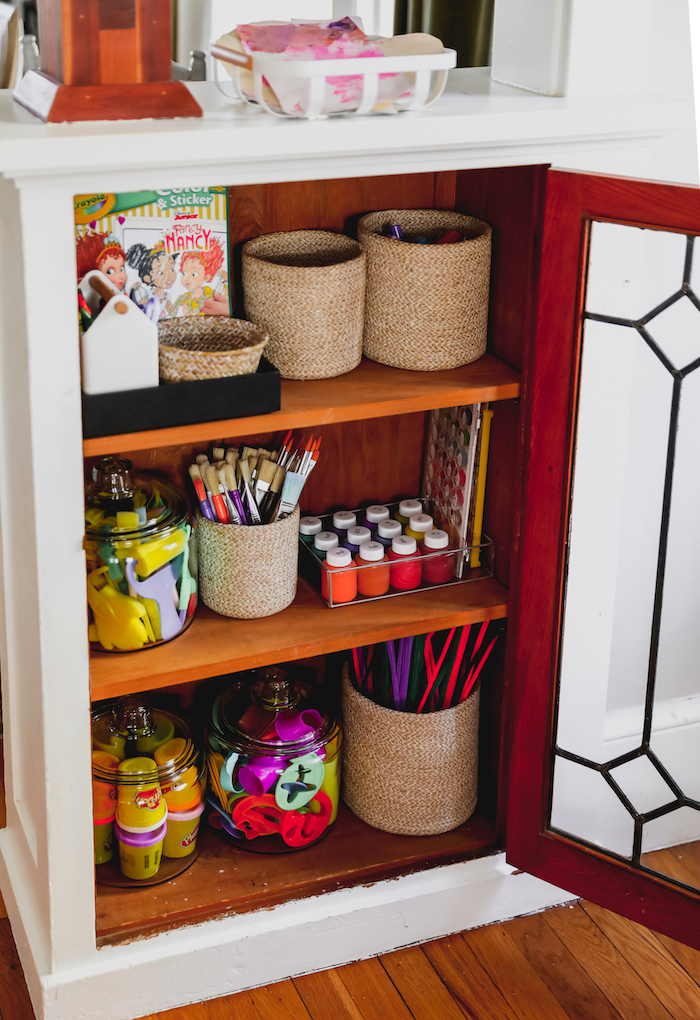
<point>311,567</point>
<point>315,82</point>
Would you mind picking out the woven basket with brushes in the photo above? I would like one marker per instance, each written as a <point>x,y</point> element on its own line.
<point>248,572</point>
<point>306,288</point>
<point>426,305</point>
<point>208,347</point>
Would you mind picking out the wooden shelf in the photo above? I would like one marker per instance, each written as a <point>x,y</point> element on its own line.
<point>370,391</point>
<point>215,645</point>
<point>225,880</point>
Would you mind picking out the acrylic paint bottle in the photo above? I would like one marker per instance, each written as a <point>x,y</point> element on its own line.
<point>407,508</point>
<point>356,537</point>
<point>308,527</point>
<point>387,531</point>
<point>418,525</point>
<point>406,569</point>
<point>437,569</point>
<point>343,585</point>
<point>374,515</point>
<point>373,580</point>
<point>342,520</point>
<point>324,541</point>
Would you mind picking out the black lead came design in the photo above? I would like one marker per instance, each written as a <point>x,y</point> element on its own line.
<point>680,800</point>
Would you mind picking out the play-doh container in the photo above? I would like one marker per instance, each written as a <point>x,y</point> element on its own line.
<point>273,756</point>
<point>140,853</point>
<point>104,840</point>
<point>141,559</point>
<point>181,833</point>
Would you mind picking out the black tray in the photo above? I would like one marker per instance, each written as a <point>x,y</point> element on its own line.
<point>185,403</point>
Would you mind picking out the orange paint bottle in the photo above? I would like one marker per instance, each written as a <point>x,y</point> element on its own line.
<point>342,586</point>
<point>372,580</point>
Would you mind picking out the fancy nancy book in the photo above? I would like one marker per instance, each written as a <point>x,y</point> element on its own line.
<point>166,250</point>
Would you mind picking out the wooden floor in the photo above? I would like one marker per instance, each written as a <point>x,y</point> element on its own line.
<point>571,963</point>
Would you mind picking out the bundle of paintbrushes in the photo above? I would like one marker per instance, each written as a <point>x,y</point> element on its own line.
<point>425,673</point>
<point>253,485</point>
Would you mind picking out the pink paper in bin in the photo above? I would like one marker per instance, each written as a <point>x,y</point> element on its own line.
<point>281,90</point>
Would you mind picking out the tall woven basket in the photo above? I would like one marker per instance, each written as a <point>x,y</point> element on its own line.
<point>426,305</point>
<point>248,572</point>
<point>415,775</point>
<point>306,289</point>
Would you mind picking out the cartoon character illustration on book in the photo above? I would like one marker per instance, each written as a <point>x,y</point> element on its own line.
<point>103,252</point>
<point>158,273</point>
<point>197,269</point>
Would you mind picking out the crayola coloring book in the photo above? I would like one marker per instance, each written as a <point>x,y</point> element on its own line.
<point>166,250</point>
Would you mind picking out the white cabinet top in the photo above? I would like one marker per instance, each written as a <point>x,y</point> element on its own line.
<point>477,122</point>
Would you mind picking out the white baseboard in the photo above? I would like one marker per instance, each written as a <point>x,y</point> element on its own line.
<point>221,957</point>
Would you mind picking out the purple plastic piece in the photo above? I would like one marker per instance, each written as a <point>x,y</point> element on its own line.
<point>293,726</point>
<point>160,587</point>
<point>260,774</point>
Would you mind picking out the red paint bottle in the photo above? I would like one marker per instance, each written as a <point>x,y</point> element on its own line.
<point>437,569</point>
<point>406,572</point>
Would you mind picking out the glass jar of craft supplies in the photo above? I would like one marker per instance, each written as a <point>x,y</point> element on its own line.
<point>148,783</point>
<point>141,559</point>
<point>273,755</point>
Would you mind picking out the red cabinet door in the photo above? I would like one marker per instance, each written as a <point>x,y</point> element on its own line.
<point>546,836</point>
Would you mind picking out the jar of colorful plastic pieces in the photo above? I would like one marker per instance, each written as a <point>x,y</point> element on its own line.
<point>141,559</point>
<point>149,781</point>
<point>273,756</point>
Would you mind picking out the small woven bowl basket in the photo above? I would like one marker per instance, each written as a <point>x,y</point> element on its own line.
<point>426,305</point>
<point>414,775</point>
<point>306,288</point>
<point>208,347</point>
<point>248,571</point>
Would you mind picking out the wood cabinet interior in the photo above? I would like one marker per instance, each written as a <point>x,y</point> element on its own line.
<point>370,453</point>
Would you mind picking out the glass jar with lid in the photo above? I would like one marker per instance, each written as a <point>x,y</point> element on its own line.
<point>141,559</point>
<point>273,756</point>
<point>149,781</point>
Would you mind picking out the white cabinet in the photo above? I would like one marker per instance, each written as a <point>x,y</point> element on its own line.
<point>46,869</point>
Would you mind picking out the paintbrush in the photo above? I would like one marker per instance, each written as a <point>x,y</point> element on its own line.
<point>270,498</point>
<point>201,458</point>
<point>266,473</point>
<point>217,453</point>
<point>233,515</point>
<point>234,494</point>
<point>214,492</point>
<point>291,491</point>
<point>204,504</point>
<point>251,506</point>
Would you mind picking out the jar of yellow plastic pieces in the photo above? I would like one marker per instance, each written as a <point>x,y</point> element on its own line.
<point>141,559</point>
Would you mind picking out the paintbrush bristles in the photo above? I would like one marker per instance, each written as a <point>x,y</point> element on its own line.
<point>209,476</point>
<point>291,491</point>
<point>218,453</point>
<point>230,476</point>
<point>266,472</point>
<point>201,459</point>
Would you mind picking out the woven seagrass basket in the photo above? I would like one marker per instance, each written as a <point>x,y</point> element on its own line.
<point>248,571</point>
<point>426,305</point>
<point>306,288</point>
<point>415,775</point>
<point>208,347</point>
